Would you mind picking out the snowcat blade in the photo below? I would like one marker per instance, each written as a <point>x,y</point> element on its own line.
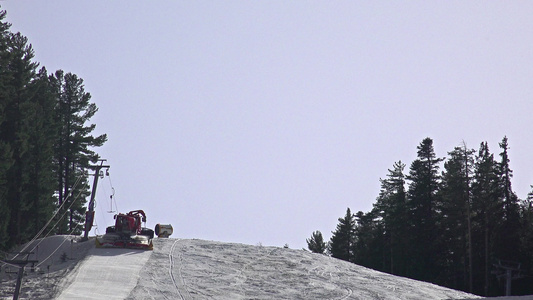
<point>141,246</point>
<point>113,242</point>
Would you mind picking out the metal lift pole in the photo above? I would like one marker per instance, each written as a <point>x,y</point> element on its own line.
<point>21,263</point>
<point>89,216</point>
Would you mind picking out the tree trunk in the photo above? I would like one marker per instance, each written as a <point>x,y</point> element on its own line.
<point>486,254</point>
<point>470,269</point>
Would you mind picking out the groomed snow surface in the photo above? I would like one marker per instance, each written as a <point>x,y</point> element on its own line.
<point>197,269</point>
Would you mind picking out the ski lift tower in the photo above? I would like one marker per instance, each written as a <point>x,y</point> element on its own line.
<point>89,215</point>
<point>509,270</point>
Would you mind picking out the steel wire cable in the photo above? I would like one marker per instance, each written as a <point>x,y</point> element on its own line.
<point>51,218</point>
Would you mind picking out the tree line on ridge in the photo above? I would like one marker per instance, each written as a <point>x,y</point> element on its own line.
<point>461,227</point>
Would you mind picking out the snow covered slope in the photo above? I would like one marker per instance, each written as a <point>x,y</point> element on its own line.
<point>197,269</point>
<point>106,274</point>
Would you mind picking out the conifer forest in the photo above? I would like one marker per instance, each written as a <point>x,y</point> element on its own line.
<point>452,221</point>
<point>46,145</point>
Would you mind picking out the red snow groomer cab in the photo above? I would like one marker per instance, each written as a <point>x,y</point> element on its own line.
<point>127,232</point>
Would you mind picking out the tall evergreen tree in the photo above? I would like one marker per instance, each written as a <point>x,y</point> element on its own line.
<point>16,132</point>
<point>370,241</point>
<point>316,243</point>
<point>424,183</point>
<point>340,245</point>
<point>508,241</point>
<point>526,237</point>
<point>455,219</point>
<point>510,200</point>
<point>390,206</point>
<point>72,147</point>
<point>5,146</point>
<point>5,59</point>
<point>42,133</point>
<point>488,213</point>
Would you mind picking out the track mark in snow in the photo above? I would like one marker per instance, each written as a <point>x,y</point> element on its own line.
<point>180,283</point>
<point>330,274</point>
<point>171,261</point>
<point>349,293</point>
<point>257,259</point>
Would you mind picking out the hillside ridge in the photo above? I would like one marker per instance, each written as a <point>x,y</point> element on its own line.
<point>201,269</point>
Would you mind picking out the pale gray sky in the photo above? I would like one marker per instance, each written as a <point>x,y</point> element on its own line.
<point>262,121</point>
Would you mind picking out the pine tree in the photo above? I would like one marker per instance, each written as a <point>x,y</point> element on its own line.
<point>16,132</point>
<point>526,236</point>
<point>42,134</point>
<point>487,207</point>
<point>72,147</point>
<point>508,241</point>
<point>455,219</point>
<point>424,183</point>
<point>370,242</point>
<point>316,243</point>
<point>340,245</point>
<point>5,145</point>
<point>390,207</point>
